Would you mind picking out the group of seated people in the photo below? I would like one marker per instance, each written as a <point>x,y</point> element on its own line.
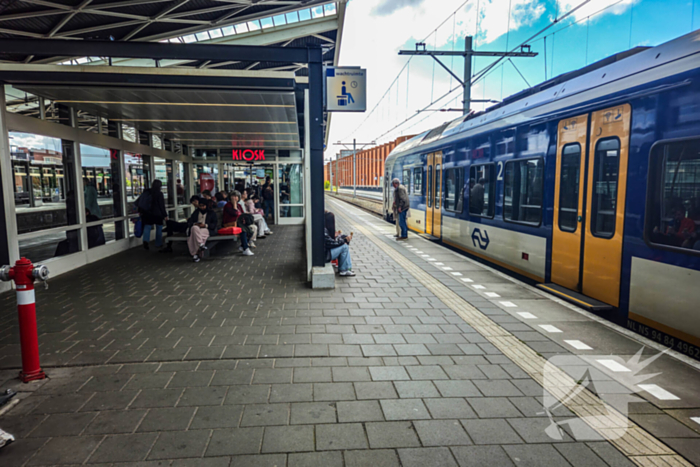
<point>221,211</point>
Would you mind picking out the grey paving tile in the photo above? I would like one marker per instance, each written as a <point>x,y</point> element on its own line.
<point>610,454</point>
<point>171,419</point>
<point>375,390</point>
<point>415,389</point>
<point>360,411</point>
<point>491,431</point>
<point>110,401</point>
<point>376,350</point>
<point>264,460</point>
<point>431,372</point>
<point>114,422</point>
<point>334,392</point>
<point>291,393</point>
<point>312,375</point>
<point>235,441</point>
<point>457,388</point>
<point>231,377</point>
<point>449,407</point>
<point>498,388</point>
<point>124,448</point>
<point>426,457</point>
<point>404,409</point>
<point>478,456</point>
<point>186,379</point>
<point>196,396</point>
<point>441,433</point>
<point>388,373</point>
<point>350,374</point>
<point>63,424</point>
<point>493,407</point>
<point>374,457</point>
<point>296,438</point>
<point>533,430</point>
<point>313,413</point>
<point>662,425</point>
<point>65,450</point>
<point>535,455</point>
<point>247,394</point>
<point>180,444</point>
<point>340,436</point>
<point>391,435</point>
<point>217,417</point>
<point>316,459</point>
<point>263,376</point>
<point>265,415</point>
<point>579,455</point>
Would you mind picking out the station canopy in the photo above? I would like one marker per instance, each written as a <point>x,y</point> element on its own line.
<point>265,111</point>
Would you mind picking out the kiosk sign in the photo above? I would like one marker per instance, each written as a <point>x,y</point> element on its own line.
<point>249,155</point>
<point>346,89</point>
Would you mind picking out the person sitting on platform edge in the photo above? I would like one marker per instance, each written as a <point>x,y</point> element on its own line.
<point>401,206</point>
<point>202,224</point>
<point>338,247</point>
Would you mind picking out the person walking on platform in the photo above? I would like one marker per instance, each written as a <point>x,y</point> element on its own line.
<point>151,205</point>
<point>401,207</point>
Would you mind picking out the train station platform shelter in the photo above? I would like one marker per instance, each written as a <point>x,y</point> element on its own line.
<point>102,98</point>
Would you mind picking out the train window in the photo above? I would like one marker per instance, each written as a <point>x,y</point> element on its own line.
<point>429,193</point>
<point>407,180</point>
<point>569,187</point>
<point>482,190</point>
<point>523,191</point>
<point>605,177</point>
<point>454,189</point>
<point>438,195</point>
<point>673,204</point>
<point>418,181</point>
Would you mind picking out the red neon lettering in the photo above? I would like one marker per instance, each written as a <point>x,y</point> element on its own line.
<point>249,155</point>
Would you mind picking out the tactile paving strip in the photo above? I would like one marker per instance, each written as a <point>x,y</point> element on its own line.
<point>634,442</point>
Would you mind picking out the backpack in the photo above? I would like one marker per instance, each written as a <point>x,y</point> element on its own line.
<point>268,193</point>
<point>145,201</point>
<point>246,219</point>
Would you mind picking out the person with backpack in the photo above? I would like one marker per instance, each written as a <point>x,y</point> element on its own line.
<point>151,206</point>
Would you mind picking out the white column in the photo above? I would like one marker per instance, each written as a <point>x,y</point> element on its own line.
<point>79,187</point>
<point>8,184</point>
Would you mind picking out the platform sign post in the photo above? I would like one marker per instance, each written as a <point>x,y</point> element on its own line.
<point>346,89</point>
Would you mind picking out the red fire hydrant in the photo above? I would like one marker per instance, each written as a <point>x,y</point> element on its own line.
<point>24,273</point>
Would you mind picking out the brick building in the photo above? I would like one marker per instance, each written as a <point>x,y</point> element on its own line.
<point>370,165</point>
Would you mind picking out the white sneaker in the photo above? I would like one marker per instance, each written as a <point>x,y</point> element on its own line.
<point>248,252</point>
<point>196,258</point>
<point>202,246</point>
<point>269,232</point>
<point>240,248</point>
<point>347,273</point>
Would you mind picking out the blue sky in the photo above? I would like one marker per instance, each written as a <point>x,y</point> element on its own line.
<point>375,30</point>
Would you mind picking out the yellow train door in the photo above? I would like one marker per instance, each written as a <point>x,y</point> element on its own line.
<point>569,202</point>
<point>605,203</point>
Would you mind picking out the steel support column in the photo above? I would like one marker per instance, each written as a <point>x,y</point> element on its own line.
<point>315,61</point>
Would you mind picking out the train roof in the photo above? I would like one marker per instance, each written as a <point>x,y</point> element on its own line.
<point>600,73</point>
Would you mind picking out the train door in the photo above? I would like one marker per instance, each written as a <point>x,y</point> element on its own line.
<point>588,224</point>
<point>433,220</point>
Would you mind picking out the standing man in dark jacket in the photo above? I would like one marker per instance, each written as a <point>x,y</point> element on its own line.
<point>151,206</point>
<point>401,206</point>
<point>339,248</point>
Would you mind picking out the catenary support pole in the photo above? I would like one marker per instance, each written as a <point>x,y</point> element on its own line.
<point>467,73</point>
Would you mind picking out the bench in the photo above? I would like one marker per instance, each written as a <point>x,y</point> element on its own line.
<point>216,239</point>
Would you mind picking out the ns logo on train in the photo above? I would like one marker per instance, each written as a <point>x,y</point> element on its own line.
<point>481,239</point>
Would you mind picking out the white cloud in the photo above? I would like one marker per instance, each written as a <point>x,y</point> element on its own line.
<point>494,17</point>
<point>616,7</point>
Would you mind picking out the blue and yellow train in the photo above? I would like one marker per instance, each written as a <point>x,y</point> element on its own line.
<point>587,184</point>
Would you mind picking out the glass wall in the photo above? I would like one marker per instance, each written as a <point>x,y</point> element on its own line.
<point>291,190</point>
<point>137,179</point>
<point>98,183</point>
<point>44,182</point>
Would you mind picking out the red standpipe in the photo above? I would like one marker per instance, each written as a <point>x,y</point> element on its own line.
<point>24,274</point>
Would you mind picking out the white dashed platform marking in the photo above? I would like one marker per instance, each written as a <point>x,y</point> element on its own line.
<point>466,279</point>
<point>614,366</point>
<point>550,328</point>
<point>478,287</point>
<point>526,315</point>
<point>658,392</point>
<point>578,345</point>
<point>456,273</point>
<point>509,304</point>
<point>492,294</point>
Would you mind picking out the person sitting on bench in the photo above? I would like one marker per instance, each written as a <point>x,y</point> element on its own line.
<point>202,225</point>
<point>232,212</point>
<point>249,207</point>
<point>172,227</point>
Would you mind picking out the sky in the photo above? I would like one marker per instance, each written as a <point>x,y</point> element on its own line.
<point>375,31</point>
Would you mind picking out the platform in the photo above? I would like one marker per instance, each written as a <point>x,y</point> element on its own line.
<point>425,358</point>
